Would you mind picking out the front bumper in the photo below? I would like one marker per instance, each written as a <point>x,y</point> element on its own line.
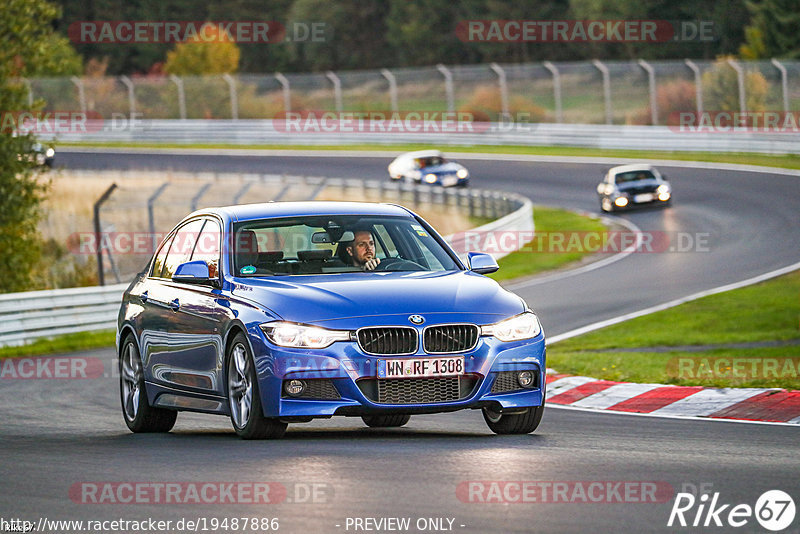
<point>352,373</point>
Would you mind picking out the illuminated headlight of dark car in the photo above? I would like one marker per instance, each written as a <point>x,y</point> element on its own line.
<point>663,192</point>
<point>50,153</point>
<point>430,178</point>
<point>523,326</point>
<point>462,173</point>
<point>302,336</point>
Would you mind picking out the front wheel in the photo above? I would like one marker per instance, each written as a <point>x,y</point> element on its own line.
<point>244,400</point>
<point>521,423</point>
<point>136,410</point>
<point>385,421</point>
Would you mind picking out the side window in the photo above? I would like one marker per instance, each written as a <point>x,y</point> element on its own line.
<point>207,247</point>
<point>158,264</point>
<point>181,248</point>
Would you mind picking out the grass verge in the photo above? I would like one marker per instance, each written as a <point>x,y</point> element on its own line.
<point>788,161</point>
<point>768,311</point>
<point>65,343</point>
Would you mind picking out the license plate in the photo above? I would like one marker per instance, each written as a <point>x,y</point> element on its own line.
<point>644,197</point>
<point>421,367</point>
<point>449,180</point>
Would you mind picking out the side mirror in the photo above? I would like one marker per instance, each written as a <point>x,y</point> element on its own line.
<point>192,272</point>
<point>482,263</point>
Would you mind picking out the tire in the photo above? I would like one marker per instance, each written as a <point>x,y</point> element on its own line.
<point>244,399</point>
<point>139,416</point>
<point>523,423</point>
<point>385,421</point>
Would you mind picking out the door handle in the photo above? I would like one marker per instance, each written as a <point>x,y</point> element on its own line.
<point>175,305</point>
<point>143,297</point>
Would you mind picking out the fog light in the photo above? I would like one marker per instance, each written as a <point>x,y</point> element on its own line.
<point>663,197</point>
<point>621,202</point>
<point>294,388</point>
<point>525,378</point>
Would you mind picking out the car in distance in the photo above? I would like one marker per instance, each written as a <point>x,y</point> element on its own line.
<point>261,313</point>
<point>628,186</point>
<point>428,167</point>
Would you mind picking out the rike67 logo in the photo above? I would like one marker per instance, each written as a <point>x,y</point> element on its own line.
<point>774,510</point>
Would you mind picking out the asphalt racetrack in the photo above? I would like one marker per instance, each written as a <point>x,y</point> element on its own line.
<point>60,437</point>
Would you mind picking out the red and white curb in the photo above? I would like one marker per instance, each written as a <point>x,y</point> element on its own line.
<point>741,404</point>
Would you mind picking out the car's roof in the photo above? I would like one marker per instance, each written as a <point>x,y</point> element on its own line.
<point>263,210</point>
<point>421,154</point>
<point>631,168</point>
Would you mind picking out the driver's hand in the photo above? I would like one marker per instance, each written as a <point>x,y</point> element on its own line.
<point>371,264</point>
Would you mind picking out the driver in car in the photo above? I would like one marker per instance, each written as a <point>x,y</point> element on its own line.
<point>362,251</point>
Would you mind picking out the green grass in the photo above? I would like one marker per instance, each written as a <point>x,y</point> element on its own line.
<point>763,312</point>
<point>527,261</point>
<point>789,161</point>
<point>65,343</point>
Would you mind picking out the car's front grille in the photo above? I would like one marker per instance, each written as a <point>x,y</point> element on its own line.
<point>449,338</point>
<point>318,388</point>
<point>640,189</point>
<point>418,390</point>
<point>388,340</point>
<point>506,381</point>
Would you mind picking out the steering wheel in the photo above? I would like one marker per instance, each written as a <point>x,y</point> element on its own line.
<point>398,264</point>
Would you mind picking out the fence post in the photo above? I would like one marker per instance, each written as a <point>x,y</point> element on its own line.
<point>501,80</point>
<point>651,80</point>
<point>740,78</point>
<point>556,90</point>
<point>150,215</point>
<point>448,87</point>
<point>97,232</point>
<point>337,89</point>
<point>81,93</point>
<point>198,196</point>
<point>287,95</point>
<point>131,96</point>
<point>181,96</point>
<point>698,85</point>
<point>234,97</point>
<point>29,87</point>
<point>784,84</point>
<point>606,88</point>
<point>392,87</point>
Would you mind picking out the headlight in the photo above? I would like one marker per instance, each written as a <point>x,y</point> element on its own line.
<point>621,202</point>
<point>50,153</point>
<point>663,188</point>
<point>430,178</point>
<point>300,336</point>
<point>523,326</point>
<point>462,173</point>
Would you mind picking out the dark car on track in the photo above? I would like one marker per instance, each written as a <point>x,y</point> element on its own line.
<point>262,313</point>
<point>627,186</point>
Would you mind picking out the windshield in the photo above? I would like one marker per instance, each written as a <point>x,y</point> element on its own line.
<point>634,176</point>
<point>430,161</point>
<point>335,244</point>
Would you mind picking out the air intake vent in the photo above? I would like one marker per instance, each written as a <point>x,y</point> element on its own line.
<point>449,338</point>
<point>388,340</point>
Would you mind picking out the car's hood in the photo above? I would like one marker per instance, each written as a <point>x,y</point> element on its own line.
<point>450,166</point>
<point>317,298</point>
<point>639,183</point>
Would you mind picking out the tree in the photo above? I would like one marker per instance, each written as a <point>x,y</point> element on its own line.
<point>199,57</point>
<point>30,48</point>
<point>773,31</point>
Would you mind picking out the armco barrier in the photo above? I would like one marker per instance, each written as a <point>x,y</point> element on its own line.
<point>27,316</point>
<point>263,132</point>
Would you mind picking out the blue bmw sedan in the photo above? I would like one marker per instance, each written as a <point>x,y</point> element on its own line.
<point>285,312</point>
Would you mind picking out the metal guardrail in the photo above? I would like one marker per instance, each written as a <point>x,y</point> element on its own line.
<point>27,316</point>
<point>264,132</point>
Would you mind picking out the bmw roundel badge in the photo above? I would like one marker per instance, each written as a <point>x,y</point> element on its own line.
<point>416,319</point>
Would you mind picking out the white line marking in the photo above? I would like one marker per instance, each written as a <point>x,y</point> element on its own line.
<point>671,304</point>
<point>614,395</point>
<point>708,401</point>
<point>793,423</point>
<point>589,267</point>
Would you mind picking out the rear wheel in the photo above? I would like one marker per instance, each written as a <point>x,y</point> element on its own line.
<point>385,421</point>
<point>136,410</point>
<point>521,423</point>
<point>244,400</point>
